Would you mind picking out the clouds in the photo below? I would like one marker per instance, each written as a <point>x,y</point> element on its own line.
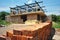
<point>29,1</point>
<point>4,9</point>
<point>53,10</point>
<point>49,13</point>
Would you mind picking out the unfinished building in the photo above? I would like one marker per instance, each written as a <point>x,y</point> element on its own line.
<point>25,31</point>
<point>25,12</point>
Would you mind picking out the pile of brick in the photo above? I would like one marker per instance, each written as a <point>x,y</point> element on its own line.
<point>39,34</point>
<point>2,37</point>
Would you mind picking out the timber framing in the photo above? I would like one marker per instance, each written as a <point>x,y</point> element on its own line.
<point>27,8</point>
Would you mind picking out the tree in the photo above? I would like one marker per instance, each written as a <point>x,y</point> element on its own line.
<point>3,14</point>
<point>58,17</point>
<point>54,17</point>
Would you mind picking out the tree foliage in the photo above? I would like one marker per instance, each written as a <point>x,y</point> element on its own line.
<point>3,14</point>
<point>55,18</point>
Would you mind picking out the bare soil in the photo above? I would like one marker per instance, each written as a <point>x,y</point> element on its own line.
<point>57,34</point>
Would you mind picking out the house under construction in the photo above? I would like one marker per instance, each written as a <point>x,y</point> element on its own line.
<point>25,31</point>
<point>20,14</point>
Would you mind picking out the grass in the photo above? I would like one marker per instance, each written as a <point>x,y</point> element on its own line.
<point>3,22</point>
<point>56,24</point>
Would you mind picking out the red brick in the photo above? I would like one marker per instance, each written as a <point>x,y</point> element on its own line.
<point>17,32</point>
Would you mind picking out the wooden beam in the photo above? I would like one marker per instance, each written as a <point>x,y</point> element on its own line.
<point>39,5</point>
<point>31,4</point>
<point>12,8</point>
<point>21,7</point>
<point>28,5</point>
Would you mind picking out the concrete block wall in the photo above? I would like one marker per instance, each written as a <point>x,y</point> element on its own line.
<point>16,19</point>
<point>31,17</point>
<point>7,18</point>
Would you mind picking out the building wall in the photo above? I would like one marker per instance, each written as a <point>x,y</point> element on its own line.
<point>32,17</point>
<point>16,19</point>
<point>7,18</point>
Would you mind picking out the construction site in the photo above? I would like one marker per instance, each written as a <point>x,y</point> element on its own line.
<point>31,23</point>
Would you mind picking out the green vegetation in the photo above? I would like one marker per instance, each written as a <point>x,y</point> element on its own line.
<point>3,22</point>
<point>56,25</point>
<point>3,14</point>
<point>2,18</point>
<point>56,21</point>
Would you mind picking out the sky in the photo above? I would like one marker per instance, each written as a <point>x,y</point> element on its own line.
<point>51,6</point>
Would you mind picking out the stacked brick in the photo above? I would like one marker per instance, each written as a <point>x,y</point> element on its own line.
<point>39,34</point>
<point>2,37</point>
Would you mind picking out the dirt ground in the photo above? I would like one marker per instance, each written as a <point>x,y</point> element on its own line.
<point>57,34</point>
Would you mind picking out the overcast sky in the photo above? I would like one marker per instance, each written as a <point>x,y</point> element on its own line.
<point>51,6</point>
